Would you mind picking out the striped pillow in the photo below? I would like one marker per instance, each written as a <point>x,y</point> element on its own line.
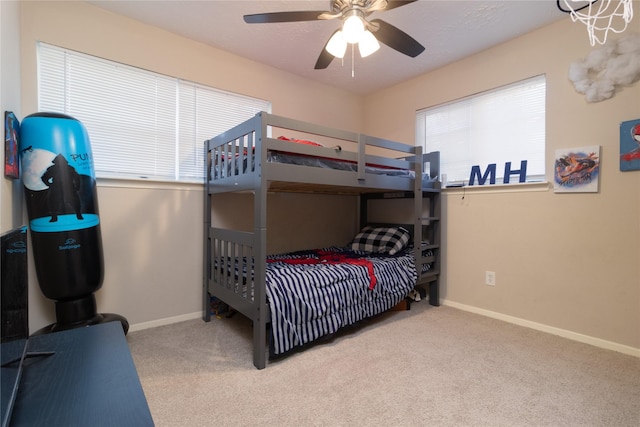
<point>389,240</point>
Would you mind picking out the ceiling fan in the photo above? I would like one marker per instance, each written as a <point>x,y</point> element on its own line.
<point>356,29</point>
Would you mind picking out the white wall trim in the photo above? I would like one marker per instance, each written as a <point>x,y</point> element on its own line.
<point>165,321</point>
<point>515,187</point>
<point>597,342</point>
<point>148,184</point>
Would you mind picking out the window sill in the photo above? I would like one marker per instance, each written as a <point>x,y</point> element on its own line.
<point>148,184</point>
<point>500,188</point>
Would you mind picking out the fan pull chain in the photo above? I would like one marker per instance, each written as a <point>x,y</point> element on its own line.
<point>353,62</point>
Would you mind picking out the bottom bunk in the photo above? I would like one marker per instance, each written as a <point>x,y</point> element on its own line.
<point>306,295</point>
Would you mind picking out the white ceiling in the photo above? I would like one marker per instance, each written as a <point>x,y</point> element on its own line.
<point>449,30</point>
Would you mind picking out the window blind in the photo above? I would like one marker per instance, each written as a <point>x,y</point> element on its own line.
<point>502,125</point>
<point>142,125</point>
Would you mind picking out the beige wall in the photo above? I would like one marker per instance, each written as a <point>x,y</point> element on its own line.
<point>9,101</point>
<point>570,261</point>
<point>567,261</point>
<point>152,235</point>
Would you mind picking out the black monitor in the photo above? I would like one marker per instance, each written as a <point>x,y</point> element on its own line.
<point>15,316</point>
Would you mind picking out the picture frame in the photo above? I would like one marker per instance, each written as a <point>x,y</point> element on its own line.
<point>630,145</point>
<point>11,135</point>
<point>577,170</point>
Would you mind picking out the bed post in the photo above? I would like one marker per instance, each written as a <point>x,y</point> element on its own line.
<point>260,246</point>
<point>418,210</point>
<point>436,212</point>
<point>206,303</point>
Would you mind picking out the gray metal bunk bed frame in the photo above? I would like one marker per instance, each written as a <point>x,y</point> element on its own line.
<point>231,255</point>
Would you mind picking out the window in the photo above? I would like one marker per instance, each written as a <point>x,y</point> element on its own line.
<point>142,125</point>
<point>495,127</point>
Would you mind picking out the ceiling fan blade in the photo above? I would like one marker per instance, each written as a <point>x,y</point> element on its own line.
<point>392,4</point>
<point>396,39</point>
<point>325,57</point>
<point>266,18</point>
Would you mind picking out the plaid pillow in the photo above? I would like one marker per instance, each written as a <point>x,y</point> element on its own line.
<point>388,240</point>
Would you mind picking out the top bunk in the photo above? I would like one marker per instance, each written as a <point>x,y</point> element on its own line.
<point>309,158</point>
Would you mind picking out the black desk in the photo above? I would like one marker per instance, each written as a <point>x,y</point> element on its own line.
<point>89,381</point>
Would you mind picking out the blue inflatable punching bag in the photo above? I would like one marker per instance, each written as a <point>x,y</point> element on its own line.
<point>62,204</point>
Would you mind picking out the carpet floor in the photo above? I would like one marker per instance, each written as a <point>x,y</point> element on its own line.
<point>436,366</point>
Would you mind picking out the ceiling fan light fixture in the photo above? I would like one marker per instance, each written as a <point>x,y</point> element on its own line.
<point>337,45</point>
<point>356,28</point>
<point>353,27</point>
<point>368,44</point>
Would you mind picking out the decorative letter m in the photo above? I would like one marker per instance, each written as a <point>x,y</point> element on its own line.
<point>475,171</point>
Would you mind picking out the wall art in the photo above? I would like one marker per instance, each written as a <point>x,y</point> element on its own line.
<point>630,145</point>
<point>11,159</point>
<point>576,170</point>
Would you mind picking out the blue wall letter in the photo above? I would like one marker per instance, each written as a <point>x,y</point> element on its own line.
<point>475,171</point>
<point>522,172</point>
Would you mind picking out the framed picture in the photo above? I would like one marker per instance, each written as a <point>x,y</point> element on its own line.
<point>630,145</point>
<point>11,159</point>
<point>576,170</point>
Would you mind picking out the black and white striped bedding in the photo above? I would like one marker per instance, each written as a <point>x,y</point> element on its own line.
<point>308,301</point>
<point>311,300</point>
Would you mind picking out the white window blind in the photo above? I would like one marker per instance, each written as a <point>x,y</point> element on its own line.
<point>141,125</point>
<point>495,127</point>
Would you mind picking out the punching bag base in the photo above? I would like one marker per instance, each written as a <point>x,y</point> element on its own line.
<point>97,319</point>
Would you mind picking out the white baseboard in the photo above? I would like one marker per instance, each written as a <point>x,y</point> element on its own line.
<point>165,321</point>
<point>586,339</point>
<point>548,329</point>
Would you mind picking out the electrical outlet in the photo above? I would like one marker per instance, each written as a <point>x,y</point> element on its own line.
<point>490,278</point>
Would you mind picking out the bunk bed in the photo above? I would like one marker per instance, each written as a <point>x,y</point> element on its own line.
<point>239,272</point>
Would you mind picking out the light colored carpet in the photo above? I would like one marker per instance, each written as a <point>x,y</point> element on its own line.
<point>427,366</point>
